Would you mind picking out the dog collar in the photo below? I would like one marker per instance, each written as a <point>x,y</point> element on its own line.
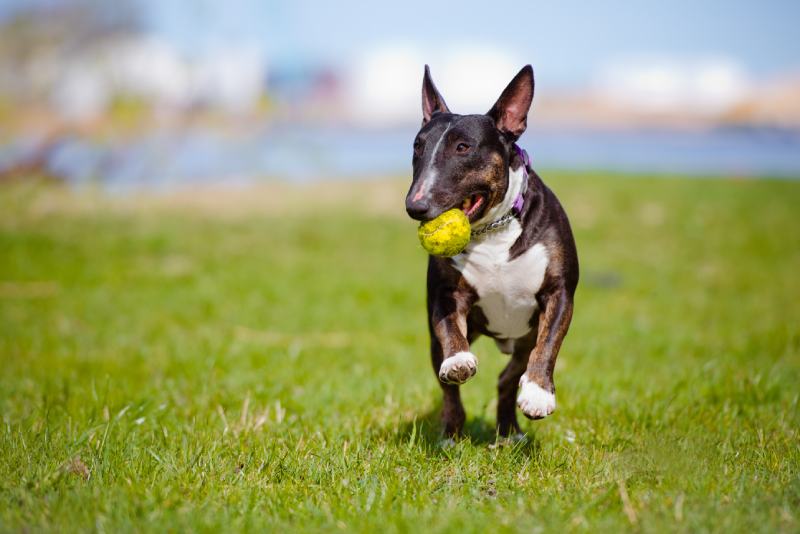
<point>516,207</point>
<point>519,202</point>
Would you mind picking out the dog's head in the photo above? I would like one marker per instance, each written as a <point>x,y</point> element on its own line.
<point>461,161</point>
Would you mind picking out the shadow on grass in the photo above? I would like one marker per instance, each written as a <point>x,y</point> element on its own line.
<point>425,430</point>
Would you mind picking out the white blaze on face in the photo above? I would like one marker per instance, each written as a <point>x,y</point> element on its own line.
<point>425,186</point>
<point>430,173</point>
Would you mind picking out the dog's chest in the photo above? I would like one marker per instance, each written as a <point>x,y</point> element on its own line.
<point>506,289</point>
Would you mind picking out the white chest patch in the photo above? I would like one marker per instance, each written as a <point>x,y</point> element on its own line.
<point>506,289</point>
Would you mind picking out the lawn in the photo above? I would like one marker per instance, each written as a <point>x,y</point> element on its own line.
<point>257,360</point>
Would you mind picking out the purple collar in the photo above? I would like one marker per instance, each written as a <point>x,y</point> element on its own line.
<point>519,202</point>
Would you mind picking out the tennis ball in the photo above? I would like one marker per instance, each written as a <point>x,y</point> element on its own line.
<point>446,235</point>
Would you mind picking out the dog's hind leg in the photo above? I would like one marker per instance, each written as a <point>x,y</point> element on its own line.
<point>507,386</point>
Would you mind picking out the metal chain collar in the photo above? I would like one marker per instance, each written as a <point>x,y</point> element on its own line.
<point>494,225</point>
<point>518,202</point>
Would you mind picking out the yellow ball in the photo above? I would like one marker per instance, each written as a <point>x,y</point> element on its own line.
<point>446,235</point>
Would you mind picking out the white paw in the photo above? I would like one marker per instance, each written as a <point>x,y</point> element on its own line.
<point>534,401</point>
<point>458,368</point>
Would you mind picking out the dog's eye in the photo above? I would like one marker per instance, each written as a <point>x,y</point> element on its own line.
<point>418,147</point>
<point>462,148</point>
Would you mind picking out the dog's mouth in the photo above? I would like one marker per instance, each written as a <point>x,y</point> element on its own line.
<point>473,206</point>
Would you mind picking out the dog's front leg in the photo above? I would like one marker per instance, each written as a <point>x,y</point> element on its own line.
<point>451,359</point>
<point>458,363</point>
<point>537,395</point>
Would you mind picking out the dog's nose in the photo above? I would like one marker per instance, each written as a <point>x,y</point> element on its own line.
<point>418,209</point>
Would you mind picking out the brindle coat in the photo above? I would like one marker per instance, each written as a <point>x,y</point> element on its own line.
<point>468,156</point>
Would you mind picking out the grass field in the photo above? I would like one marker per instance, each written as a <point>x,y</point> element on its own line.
<point>258,360</point>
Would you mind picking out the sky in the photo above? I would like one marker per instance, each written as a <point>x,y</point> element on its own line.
<point>659,56</point>
<point>566,40</point>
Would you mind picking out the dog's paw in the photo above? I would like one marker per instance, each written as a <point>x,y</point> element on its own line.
<point>534,401</point>
<point>458,368</point>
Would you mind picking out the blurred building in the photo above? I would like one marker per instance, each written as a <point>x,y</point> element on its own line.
<point>143,68</point>
<point>144,92</point>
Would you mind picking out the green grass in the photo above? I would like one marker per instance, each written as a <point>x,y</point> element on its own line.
<point>171,368</point>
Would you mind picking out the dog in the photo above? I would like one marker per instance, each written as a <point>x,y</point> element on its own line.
<point>515,281</point>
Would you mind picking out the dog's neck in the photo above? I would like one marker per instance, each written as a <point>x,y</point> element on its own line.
<point>517,181</point>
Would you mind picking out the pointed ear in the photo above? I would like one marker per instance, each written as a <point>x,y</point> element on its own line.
<point>432,101</point>
<point>510,112</point>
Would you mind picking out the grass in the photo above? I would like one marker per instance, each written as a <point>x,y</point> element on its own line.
<point>245,364</point>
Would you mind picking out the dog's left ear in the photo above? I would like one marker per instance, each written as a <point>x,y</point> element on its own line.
<point>510,112</point>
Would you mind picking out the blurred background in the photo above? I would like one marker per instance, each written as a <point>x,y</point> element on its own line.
<point>154,94</point>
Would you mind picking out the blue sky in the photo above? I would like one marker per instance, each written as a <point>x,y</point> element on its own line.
<point>566,40</point>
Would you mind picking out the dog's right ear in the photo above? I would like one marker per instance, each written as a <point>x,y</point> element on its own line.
<point>432,101</point>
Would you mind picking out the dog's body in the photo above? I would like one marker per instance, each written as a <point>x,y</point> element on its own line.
<point>516,279</point>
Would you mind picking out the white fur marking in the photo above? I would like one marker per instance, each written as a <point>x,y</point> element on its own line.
<point>430,178</point>
<point>533,400</point>
<point>431,173</point>
<point>515,181</point>
<point>458,368</point>
<point>506,289</point>
<point>439,141</point>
